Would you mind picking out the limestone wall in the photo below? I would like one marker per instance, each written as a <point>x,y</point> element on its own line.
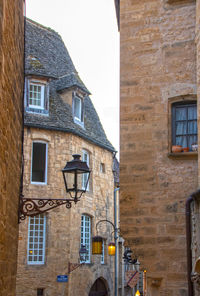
<point>63,225</point>
<point>11,93</point>
<point>158,67</point>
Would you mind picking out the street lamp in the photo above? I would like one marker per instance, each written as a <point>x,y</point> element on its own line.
<point>72,175</point>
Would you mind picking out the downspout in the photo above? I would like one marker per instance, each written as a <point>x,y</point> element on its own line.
<point>116,240</point>
<point>188,242</point>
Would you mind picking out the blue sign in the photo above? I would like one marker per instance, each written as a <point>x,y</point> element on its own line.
<point>62,278</point>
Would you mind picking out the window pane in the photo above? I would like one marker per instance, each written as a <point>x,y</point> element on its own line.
<point>181,141</point>
<point>181,113</point>
<point>77,108</point>
<point>192,112</point>
<point>39,162</point>
<point>36,251</point>
<point>85,235</point>
<point>192,127</point>
<point>36,95</point>
<point>181,128</point>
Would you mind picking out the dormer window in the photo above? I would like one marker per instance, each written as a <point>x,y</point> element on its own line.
<point>78,109</point>
<point>37,96</point>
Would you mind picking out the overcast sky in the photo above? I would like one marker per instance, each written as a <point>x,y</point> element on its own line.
<point>89,31</point>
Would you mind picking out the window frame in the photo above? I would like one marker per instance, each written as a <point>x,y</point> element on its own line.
<point>83,236</point>
<point>41,106</point>
<point>174,106</point>
<point>46,163</point>
<point>78,120</point>
<point>43,241</point>
<point>43,109</point>
<point>85,152</point>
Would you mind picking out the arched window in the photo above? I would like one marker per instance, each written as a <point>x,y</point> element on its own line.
<point>86,235</point>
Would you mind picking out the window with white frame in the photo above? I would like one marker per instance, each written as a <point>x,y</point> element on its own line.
<point>39,163</point>
<point>86,236</point>
<point>86,158</point>
<point>78,109</point>
<point>103,253</point>
<point>36,96</point>
<point>36,240</point>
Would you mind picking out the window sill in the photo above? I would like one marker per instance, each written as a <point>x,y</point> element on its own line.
<point>183,155</point>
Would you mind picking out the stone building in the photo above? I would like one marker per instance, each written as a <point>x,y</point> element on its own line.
<point>60,120</point>
<point>11,93</point>
<point>159,110</point>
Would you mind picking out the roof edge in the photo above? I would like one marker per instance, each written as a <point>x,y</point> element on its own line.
<point>72,132</point>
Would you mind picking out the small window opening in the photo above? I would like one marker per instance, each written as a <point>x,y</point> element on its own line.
<point>40,292</point>
<point>102,167</point>
<point>39,162</point>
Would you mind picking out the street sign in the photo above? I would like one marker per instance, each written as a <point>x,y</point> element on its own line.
<point>62,278</point>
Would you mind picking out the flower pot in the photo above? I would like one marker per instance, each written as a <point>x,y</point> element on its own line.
<point>185,149</point>
<point>177,148</point>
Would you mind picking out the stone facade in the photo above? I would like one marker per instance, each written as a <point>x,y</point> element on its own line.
<point>11,92</point>
<point>65,134</point>
<point>63,225</point>
<point>158,67</point>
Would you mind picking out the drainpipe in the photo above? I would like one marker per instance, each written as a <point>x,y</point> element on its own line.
<point>188,242</point>
<point>116,240</point>
<point>192,198</point>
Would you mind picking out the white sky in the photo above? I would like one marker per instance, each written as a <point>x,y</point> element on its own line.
<point>89,31</point>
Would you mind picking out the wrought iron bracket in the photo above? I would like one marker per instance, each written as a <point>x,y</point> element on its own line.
<point>35,206</point>
<point>73,266</point>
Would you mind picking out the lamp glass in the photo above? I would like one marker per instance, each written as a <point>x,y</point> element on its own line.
<point>111,249</point>
<point>137,293</point>
<point>97,243</point>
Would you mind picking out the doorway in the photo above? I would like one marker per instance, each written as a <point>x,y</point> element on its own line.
<point>98,288</point>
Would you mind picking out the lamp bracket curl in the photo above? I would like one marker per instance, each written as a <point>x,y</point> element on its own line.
<point>35,206</point>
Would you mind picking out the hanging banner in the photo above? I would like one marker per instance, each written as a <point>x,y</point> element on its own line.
<point>132,278</point>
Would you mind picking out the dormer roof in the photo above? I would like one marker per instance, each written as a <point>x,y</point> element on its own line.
<point>47,56</point>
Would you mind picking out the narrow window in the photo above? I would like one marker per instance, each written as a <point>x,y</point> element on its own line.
<point>39,163</point>
<point>102,167</point>
<point>86,235</point>
<point>40,292</point>
<point>86,158</point>
<point>78,109</point>
<point>103,253</point>
<point>36,240</point>
<point>184,124</point>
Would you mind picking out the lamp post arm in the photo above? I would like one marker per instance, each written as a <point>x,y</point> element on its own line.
<point>105,220</point>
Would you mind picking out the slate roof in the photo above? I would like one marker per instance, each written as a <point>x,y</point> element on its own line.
<point>46,55</point>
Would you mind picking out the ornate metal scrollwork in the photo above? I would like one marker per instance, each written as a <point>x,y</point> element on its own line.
<point>34,206</point>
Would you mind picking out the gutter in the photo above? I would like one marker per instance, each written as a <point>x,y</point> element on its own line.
<point>192,198</point>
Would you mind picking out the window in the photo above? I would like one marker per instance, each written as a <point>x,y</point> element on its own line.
<point>78,109</point>
<point>36,239</point>
<point>40,292</point>
<point>184,124</point>
<point>86,158</point>
<point>86,235</point>
<point>103,253</point>
<point>102,167</point>
<point>36,96</point>
<point>39,163</point>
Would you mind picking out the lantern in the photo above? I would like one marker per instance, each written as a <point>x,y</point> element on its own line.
<point>111,249</point>
<point>73,177</point>
<point>97,242</point>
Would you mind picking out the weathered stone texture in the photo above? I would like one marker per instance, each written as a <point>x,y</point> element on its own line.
<point>158,67</point>
<point>11,93</point>
<point>63,225</point>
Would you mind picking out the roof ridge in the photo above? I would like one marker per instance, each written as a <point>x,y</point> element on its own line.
<point>41,26</point>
